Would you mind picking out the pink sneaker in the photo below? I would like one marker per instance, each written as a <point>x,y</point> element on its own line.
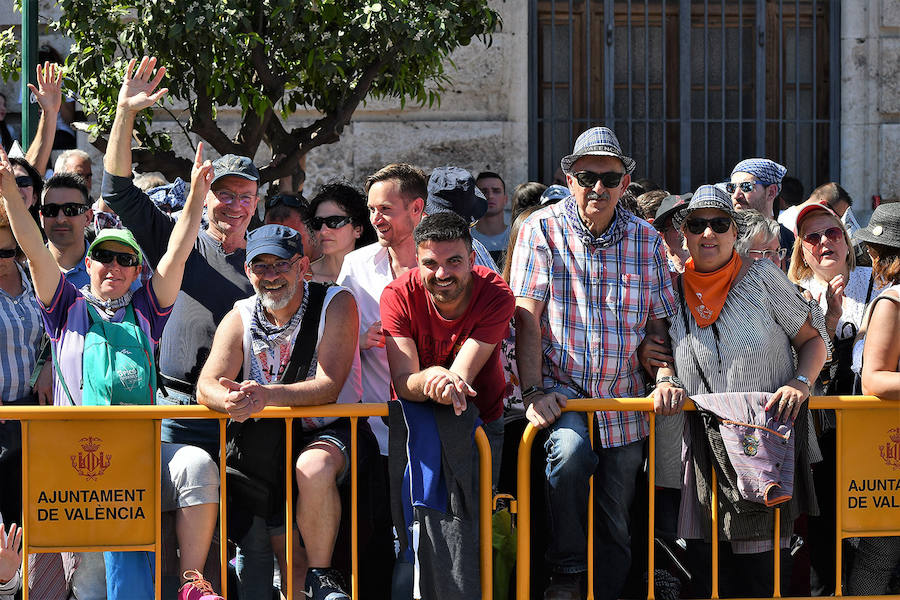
<point>197,588</point>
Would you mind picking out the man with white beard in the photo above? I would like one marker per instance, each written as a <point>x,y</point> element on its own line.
<point>291,344</point>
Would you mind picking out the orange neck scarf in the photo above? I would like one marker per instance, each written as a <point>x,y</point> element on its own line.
<point>705,293</point>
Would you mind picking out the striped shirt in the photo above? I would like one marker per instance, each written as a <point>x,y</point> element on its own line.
<point>20,322</point>
<point>748,350</point>
<point>598,295</point>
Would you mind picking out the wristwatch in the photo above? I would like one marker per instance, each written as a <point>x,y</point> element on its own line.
<point>803,379</point>
<point>535,389</point>
<point>670,379</point>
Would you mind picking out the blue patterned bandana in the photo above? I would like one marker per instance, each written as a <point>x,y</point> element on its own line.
<point>612,236</point>
<point>767,171</point>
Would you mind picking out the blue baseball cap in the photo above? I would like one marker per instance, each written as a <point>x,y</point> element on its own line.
<point>277,240</point>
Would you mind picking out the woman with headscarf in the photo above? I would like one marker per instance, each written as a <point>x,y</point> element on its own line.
<point>738,327</point>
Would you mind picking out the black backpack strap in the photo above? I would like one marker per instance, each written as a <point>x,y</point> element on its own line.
<point>308,337</point>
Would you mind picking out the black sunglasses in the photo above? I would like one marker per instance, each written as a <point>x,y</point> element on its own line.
<point>8,252</point>
<point>69,209</point>
<point>288,200</point>
<point>588,179</point>
<point>717,224</point>
<point>24,181</point>
<point>332,222</point>
<point>125,259</point>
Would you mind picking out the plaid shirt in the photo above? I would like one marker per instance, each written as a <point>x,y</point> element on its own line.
<point>599,294</point>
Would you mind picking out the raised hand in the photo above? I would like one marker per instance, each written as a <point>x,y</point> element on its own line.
<point>202,173</point>
<point>8,187</point>
<point>10,551</point>
<point>137,91</point>
<point>49,87</point>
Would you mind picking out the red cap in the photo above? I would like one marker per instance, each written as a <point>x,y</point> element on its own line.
<point>810,207</point>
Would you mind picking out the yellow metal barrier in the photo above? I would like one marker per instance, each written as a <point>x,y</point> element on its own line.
<point>156,413</point>
<point>838,403</point>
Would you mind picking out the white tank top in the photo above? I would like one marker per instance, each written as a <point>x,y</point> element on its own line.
<point>350,392</point>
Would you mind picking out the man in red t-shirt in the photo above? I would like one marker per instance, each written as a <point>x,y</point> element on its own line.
<point>443,324</point>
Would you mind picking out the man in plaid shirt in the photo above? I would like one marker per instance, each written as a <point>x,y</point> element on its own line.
<point>590,281</point>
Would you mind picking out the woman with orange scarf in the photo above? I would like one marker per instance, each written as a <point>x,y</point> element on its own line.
<point>739,327</point>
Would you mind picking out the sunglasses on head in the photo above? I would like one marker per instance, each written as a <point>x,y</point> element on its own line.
<point>588,179</point>
<point>125,259</point>
<point>24,181</point>
<point>717,224</point>
<point>69,209</point>
<point>8,252</point>
<point>332,222</point>
<point>746,186</point>
<point>832,233</point>
<point>288,200</point>
<point>278,267</point>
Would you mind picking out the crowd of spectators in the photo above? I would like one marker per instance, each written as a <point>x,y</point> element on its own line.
<point>461,306</point>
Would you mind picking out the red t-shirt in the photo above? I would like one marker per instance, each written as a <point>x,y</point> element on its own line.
<point>407,311</point>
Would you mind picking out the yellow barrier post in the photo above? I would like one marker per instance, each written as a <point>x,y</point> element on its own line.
<point>651,525</point>
<point>523,491</point>
<point>289,507</point>
<point>776,551</point>
<point>354,510</point>
<point>484,511</point>
<point>223,496</point>
<point>838,523</point>
<point>26,525</point>
<point>157,563</point>
<point>714,517</point>
<point>590,516</point>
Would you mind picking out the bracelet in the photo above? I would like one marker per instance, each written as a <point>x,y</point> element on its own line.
<point>803,379</point>
<point>528,393</point>
<point>670,379</point>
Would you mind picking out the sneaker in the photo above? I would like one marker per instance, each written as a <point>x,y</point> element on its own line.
<point>325,584</point>
<point>564,586</point>
<point>197,588</point>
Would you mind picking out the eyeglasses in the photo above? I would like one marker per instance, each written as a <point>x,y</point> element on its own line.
<point>717,224</point>
<point>588,179</point>
<point>832,233</point>
<point>125,259</point>
<point>276,268</point>
<point>770,254</point>
<point>746,186</point>
<point>288,200</point>
<point>8,252</point>
<point>69,209</point>
<point>332,222</point>
<point>24,181</point>
<point>229,197</point>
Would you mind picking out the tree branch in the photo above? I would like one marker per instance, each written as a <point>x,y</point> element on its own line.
<point>328,129</point>
<point>203,124</point>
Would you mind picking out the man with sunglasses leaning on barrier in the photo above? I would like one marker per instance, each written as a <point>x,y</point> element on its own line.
<point>590,281</point>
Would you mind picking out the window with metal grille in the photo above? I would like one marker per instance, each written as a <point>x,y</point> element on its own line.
<point>689,87</point>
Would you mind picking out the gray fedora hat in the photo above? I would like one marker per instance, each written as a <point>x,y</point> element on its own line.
<point>883,227</point>
<point>597,141</point>
<point>710,196</point>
